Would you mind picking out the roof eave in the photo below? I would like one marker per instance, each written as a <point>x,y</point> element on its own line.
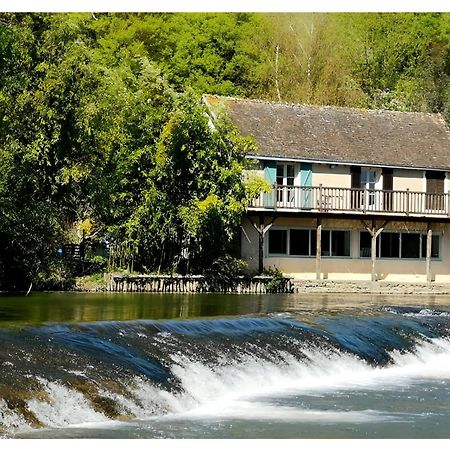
<point>344,163</point>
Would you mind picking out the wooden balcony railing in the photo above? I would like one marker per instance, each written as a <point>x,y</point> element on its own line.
<point>363,201</point>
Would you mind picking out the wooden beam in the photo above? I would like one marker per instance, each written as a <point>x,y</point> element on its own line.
<point>318,249</point>
<point>374,232</point>
<point>261,245</point>
<point>428,256</point>
<point>261,229</point>
<point>373,253</point>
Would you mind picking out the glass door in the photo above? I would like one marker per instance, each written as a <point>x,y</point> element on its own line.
<point>285,184</point>
<point>369,182</point>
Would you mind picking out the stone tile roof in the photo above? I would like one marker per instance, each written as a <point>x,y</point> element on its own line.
<point>336,134</point>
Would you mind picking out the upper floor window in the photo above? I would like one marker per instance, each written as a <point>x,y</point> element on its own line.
<point>285,174</point>
<point>285,177</point>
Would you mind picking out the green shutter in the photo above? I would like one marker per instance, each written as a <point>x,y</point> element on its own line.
<point>270,171</point>
<point>306,181</point>
<point>270,174</point>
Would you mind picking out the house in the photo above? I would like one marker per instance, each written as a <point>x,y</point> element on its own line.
<point>356,194</point>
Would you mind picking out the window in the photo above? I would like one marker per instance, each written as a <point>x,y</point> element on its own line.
<point>285,177</point>
<point>335,243</point>
<point>410,245</point>
<point>302,242</point>
<point>285,174</point>
<point>365,245</point>
<point>434,246</point>
<point>389,245</point>
<point>277,242</point>
<point>398,245</point>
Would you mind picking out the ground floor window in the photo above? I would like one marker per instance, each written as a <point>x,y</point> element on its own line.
<point>398,245</point>
<point>303,242</point>
<point>278,242</point>
<point>335,243</point>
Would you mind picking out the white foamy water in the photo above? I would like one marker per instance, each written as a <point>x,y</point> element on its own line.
<point>64,407</point>
<point>243,389</point>
<point>231,390</point>
<point>10,420</point>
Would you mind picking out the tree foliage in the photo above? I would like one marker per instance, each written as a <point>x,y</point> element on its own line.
<point>102,130</point>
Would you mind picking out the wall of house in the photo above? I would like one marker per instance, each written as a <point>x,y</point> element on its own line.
<point>339,176</point>
<point>329,175</point>
<point>352,267</point>
<point>408,179</point>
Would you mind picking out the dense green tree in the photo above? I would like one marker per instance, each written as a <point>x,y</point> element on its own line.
<point>102,129</point>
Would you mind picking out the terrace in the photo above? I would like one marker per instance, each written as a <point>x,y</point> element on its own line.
<point>320,199</point>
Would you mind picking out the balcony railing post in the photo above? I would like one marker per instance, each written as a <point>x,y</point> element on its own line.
<point>275,195</point>
<point>320,198</point>
<point>407,202</point>
<point>364,199</point>
<point>448,204</point>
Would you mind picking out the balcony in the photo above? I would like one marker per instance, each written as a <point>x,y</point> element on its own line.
<point>319,199</point>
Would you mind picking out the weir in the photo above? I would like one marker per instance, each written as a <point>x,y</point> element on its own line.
<point>144,369</point>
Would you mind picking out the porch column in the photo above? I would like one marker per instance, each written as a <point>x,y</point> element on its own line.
<point>428,256</point>
<point>261,244</point>
<point>373,252</point>
<point>374,232</point>
<point>261,229</point>
<point>318,248</point>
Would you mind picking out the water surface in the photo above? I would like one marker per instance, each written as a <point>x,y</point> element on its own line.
<point>223,366</point>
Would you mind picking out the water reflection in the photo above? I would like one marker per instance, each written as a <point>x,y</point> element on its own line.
<point>90,307</point>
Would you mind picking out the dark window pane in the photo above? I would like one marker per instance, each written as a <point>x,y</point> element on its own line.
<point>277,241</point>
<point>340,243</point>
<point>280,174</point>
<point>280,170</point>
<point>390,245</point>
<point>434,246</point>
<point>365,244</point>
<point>313,242</point>
<point>290,171</point>
<point>410,245</point>
<point>325,241</point>
<point>299,242</point>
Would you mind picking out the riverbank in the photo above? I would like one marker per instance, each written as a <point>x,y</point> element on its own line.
<point>255,285</point>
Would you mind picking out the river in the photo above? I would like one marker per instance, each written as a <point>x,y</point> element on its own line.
<point>111,365</point>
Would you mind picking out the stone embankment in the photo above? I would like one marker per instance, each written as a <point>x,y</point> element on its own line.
<point>369,287</point>
<point>261,285</point>
<point>198,283</point>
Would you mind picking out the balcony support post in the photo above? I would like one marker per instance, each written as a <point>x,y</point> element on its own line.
<point>318,249</point>
<point>261,244</point>
<point>261,229</point>
<point>374,232</point>
<point>428,256</point>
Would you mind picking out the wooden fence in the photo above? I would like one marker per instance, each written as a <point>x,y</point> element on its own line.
<point>198,283</point>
